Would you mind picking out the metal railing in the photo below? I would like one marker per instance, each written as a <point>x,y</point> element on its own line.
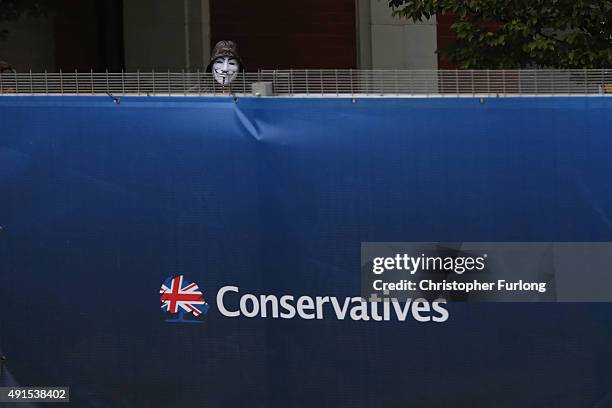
<point>316,83</point>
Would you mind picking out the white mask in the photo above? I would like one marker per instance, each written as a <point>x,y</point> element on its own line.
<point>225,70</point>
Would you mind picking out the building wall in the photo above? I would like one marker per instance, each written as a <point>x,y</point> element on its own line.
<point>30,44</point>
<point>394,43</point>
<point>446,36</point>
<point>176,35</point>
<point>78,35</point>
<point>80,27</point>
<point>162,34</point>
<point>318,34</point>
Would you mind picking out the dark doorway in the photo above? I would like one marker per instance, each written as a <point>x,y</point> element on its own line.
<point>280,34</point>
<point>89,35</point>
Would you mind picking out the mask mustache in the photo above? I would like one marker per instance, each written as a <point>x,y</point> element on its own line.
<point>224,75</point>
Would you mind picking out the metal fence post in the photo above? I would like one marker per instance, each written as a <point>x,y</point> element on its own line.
<point>169,89</point>
<point>321,80</point>
<point>199,89</point>
<point>336,75</point>
<point>457,81</point>
<point>553,89</point>
<point>274,80</point>
<point>410,86</point>
<point>472,81</point>
<point>397,92</point>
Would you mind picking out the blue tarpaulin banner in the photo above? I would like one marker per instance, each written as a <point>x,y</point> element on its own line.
<point>101,202</point>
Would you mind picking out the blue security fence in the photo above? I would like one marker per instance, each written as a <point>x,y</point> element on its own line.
<point>100,202</point>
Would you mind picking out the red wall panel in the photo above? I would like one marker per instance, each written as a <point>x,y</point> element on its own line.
<point>280,34</point>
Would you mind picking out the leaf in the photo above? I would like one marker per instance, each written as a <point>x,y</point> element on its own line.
<point>522,33</point>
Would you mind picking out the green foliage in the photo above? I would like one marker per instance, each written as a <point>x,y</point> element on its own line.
<point>498,34</point>
<point>12,10</point>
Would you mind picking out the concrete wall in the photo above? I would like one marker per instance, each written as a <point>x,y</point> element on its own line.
<point>388,42</point>
<point>30,44</point>
<point>162,34</point>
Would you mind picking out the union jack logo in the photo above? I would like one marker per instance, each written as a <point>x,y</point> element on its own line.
<point>179,296</point>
